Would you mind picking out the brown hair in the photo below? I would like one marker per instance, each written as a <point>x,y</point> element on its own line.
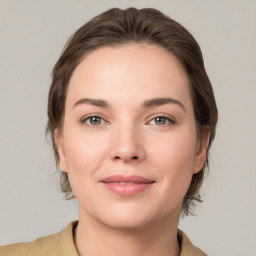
<point>116,27</point>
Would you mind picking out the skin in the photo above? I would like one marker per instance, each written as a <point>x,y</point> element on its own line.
<point>127,138</point>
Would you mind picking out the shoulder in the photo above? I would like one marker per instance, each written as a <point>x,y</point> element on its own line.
<point>57,244</point>
<point>186,246</point>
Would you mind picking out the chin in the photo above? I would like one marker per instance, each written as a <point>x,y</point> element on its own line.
<point>126,223</point>
<point>131,217</point>
<point>122,216</point>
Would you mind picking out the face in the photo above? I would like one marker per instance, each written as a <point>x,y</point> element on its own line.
<point>129,141</point>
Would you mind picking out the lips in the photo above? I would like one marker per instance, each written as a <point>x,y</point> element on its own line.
<point>127,185</point>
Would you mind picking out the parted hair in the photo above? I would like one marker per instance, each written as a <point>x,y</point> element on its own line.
<point>117,27</point>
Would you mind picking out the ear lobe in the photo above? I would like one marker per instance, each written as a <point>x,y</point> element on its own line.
<point>201,149</point>
<point>60,148</point>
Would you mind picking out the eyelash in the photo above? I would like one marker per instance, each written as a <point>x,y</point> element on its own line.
<point>168,119</point>
<point>90,118</point>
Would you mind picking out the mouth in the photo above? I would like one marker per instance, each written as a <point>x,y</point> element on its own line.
<point>127,185</point>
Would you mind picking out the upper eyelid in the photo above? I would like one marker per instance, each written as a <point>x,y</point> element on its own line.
<point>83,121</point>
<point>171,117</point>
<point>149,118</point>
<point>169,121</point>
<point>92,115</point>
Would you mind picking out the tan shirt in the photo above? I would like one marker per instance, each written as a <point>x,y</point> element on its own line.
<point>62,244</point>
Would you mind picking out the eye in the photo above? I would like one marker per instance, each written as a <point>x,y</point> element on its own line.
<point>93,121</point>
<point>161,121</point>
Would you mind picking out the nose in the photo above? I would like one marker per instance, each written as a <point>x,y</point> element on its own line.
<point>127,146</point>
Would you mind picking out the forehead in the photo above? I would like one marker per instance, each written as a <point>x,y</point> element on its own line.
<point>128,71</point>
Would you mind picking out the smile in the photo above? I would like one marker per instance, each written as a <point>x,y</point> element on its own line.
<point>127,185</point>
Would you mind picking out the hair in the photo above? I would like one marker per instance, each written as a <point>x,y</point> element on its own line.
<point>117,27</point>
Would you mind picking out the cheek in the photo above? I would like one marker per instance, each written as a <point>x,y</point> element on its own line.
<point>85,155</point>
<point>174,157</point>
<point>84,152</point>
<point>177,149</point>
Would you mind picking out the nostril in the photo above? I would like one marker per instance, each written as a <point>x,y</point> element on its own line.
<point>133,158</point>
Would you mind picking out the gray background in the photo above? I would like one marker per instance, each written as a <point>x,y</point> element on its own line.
<point>32,36</point>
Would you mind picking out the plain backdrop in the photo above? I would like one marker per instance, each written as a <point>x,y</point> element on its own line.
<point>32,35</point>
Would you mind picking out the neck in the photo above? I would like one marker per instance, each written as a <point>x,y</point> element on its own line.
<point>94,239</point>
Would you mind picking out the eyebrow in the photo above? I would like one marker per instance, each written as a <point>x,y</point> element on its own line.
<point>94,102</point>
<point>161,101</point>
<point>146,104</point>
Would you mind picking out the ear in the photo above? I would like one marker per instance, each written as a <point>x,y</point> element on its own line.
<point>60,148</point>
<point>201,149</point>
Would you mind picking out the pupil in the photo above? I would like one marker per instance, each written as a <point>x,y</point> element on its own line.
<point>95,120</point>
<point>160,120</point>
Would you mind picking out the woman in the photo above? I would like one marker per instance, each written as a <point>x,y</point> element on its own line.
<point>132,116</point>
